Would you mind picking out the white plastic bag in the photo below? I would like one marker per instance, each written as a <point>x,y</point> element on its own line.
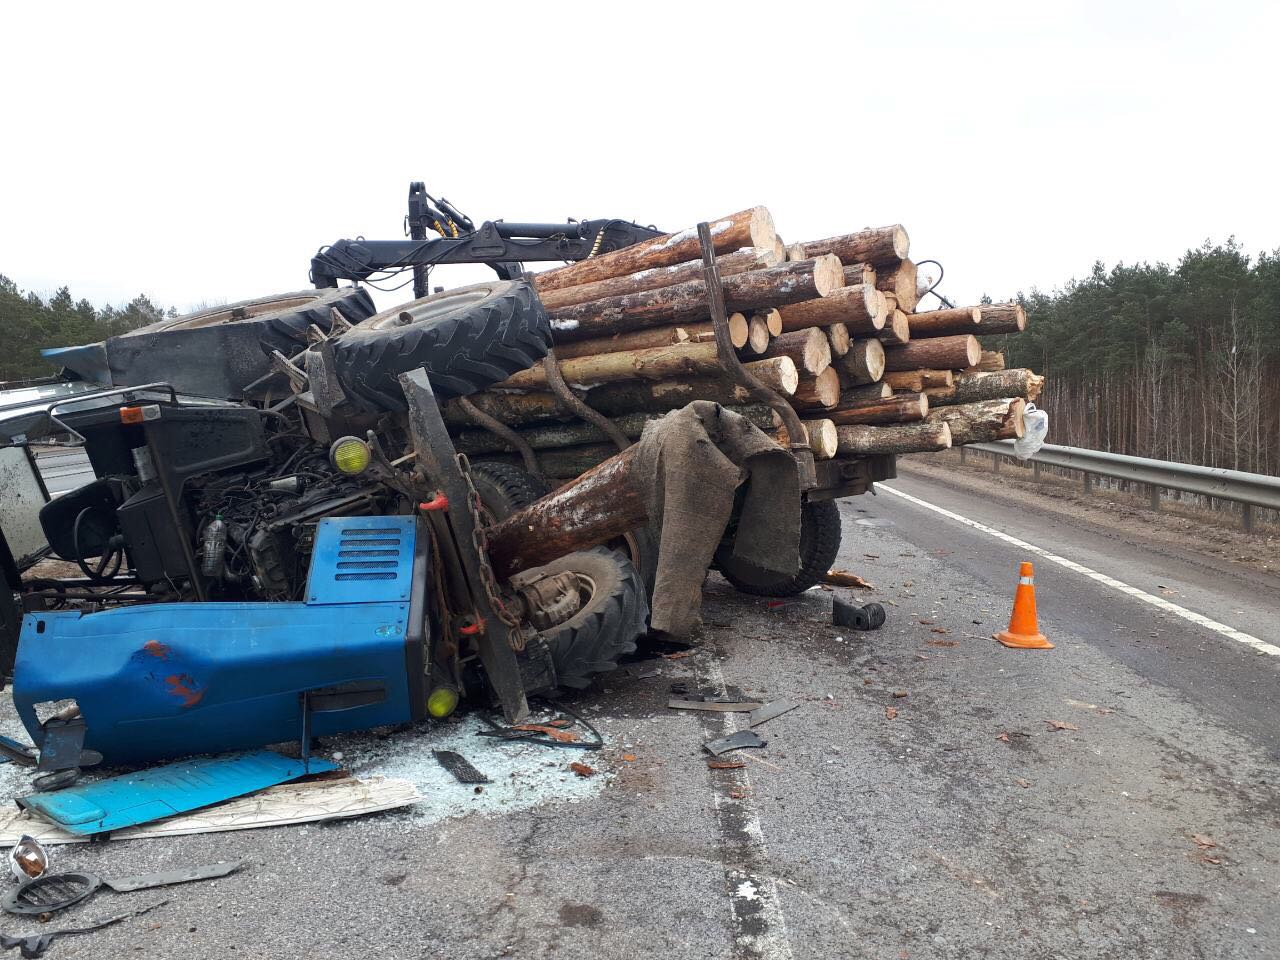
<point>1037,426</point>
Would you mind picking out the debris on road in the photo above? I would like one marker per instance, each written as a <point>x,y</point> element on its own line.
<point>582,769</point>
<point>1022,782</point>
<point>769,711</point>
<point>1061,725</point>
<point>36,944</point>
<point>28,859</point>
<point>737,741</point>
<point>459,766</point>
<point>715,706</point>
<point>870,616</point>
<point>890,713</point>
<point>1203,842</point>
<point>843,578</point>
<point>899,694</point>
<point>725,764</point>
<point>54,892</point>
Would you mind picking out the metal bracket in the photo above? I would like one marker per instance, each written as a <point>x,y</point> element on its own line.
<point>437,465</point>
<point>798,437</point>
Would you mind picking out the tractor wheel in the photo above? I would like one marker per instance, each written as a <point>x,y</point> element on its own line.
<point>612,617</point>
<point>505,488</point>
<point>819,544</point>
<point>467,339</point>
<point>219,351</point>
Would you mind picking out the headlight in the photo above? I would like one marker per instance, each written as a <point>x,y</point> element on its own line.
<point>349,455</point>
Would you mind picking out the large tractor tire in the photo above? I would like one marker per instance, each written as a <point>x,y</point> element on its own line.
<point>819,544</point>
<point>613,615</point>
<point>505,488</point>
<point>219,351</point>
<point>466,338</point>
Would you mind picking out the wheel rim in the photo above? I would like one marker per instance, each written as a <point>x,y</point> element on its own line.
<point>426,310</point>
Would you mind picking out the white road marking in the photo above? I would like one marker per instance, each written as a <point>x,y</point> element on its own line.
<point>1209,624</point>
<point>759,928</point>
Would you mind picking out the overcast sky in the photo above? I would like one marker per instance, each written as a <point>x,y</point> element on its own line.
<point>201,153</point>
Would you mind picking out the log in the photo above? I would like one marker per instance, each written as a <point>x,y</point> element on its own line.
<point>614,399</point>
<point>860,308</point>
<point>573,434</point>
<point>758,335</point>
<point>918,380</point>
<point>990,360</point>
<point>513,409</point>
<point>868,391</point>
<point>740,261</point>
<point>822,438</point>
<point>897,329</point>
<point>772,319</point>
<point>995,385</point>
<point>838,338</point>
<point>899,408</point>
<point>900,280</point>
<point>779,250</point>
<point>817,393</point>
<point>945,323</point>
<point>808,348</point>
<point>923,437</point>
<point>1003,318</point>
<point>639,340</point>
<point>663,306</point>
<point>654,363</point>
<point>856,273</point>
<point>776,373</point>
<point>939,395</point>
<point>954,353</point>
<point>984,422</point>
<point>749,228</point>
<point>864,363</point>
<point>739,330</point>
<point>878,245</point>
<point>795,251</point>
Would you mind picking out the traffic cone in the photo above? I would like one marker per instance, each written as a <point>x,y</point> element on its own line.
<point>1024,633</point>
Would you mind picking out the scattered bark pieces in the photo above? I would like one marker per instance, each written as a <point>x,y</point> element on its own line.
<point>1003,737</point>
<point>843,578</point>
<point>925,622</point>
<point>581,769</point>
<point>1216,861</point>
<point>629,758</point>
<point>678,655</point>
<point>1061,725</point>
<point>1203,842</point>
<point>890,713</point>
<point>943,643</point>
<point>725,764</point>
<point>938,630</point>
<point>562,736</point>
<point>1022,782</point>
<point>899,694</point>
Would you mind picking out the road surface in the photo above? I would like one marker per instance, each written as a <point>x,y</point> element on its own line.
<point>918,803</point>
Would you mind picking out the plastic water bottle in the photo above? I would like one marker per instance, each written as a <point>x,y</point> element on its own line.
<point>214,548</point>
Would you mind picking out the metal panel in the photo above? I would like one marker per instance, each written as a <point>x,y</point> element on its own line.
<point>20,505</point>
<point>1235,485</point>
<point>147,795</point>
<point>362,560</point>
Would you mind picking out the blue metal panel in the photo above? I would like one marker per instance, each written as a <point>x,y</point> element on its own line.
<point>164,791</point>
<point>362,560</point>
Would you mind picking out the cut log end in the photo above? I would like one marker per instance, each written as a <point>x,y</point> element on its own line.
<point>828,274</point>
<point>739,330</point>
<point>818,393</point>
<point>776,373</point>
<point>763,232</point>
<point>758,336</point>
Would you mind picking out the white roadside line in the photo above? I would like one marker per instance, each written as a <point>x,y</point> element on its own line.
<point>759,928</point>
<point>1220,628</point>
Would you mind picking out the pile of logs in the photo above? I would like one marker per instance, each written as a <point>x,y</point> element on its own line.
<point>833,325</point>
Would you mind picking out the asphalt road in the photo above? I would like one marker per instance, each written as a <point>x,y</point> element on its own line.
<point>950,821</point>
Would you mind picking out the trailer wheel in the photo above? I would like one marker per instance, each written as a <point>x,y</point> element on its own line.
<point>505,488</point>
<point>219,351</point>
<point>819,544</point>
<point>467,339</point>
<point>612,617</point>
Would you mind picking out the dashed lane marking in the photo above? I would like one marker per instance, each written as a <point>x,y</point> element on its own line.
<point>1160,602</point>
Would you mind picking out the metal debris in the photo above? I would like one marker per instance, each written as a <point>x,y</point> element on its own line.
<point>770,710</point>
<point>715,706</point>
<point>459,766</point>
<point>737,741</point>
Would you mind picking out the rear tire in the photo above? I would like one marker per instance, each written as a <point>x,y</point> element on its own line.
<point>505,488</point>
<point>819,545</point>
<point>466,338</point>
<point>612,618</point>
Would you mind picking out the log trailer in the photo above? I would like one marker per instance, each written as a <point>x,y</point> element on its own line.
<point>282,542</point>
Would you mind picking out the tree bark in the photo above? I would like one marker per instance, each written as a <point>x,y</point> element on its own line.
<point>817,393</point>
<point>952,353</point>
<point>1003,318</point>
<point>989,361</point>
<point>740,261</point>
<point>838,338</point>
<point>772,319</point>
<point>864,363</point>
<point>924,437</point>
<point>852,396</point>
<point>859,308</point>
<point>900,280</point>
<point>808,348</point>
<point>984,422</point>
<point>639,340</point>
<point>996,385</point>
<point>900,408</point>
<point>897,329</point>
<point>776,373</point>
<point>654,363</point>
<point>822,438</point>
<point>918,380</point>
<point>859,273</point>
<point>749,228</point>
<point>946,323</point>
<point>601,504</point>
<point>513,409</point>
<point>681,302</point>
<point>614,399</point>
<point>878,245</point>
<point>795,251</point>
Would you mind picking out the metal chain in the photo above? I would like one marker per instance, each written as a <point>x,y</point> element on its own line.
<point>480,522</point>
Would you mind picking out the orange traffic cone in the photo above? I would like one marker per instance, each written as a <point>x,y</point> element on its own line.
<point>1024,633</point>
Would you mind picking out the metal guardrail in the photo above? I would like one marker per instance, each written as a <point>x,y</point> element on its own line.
<point>1249,489</point>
